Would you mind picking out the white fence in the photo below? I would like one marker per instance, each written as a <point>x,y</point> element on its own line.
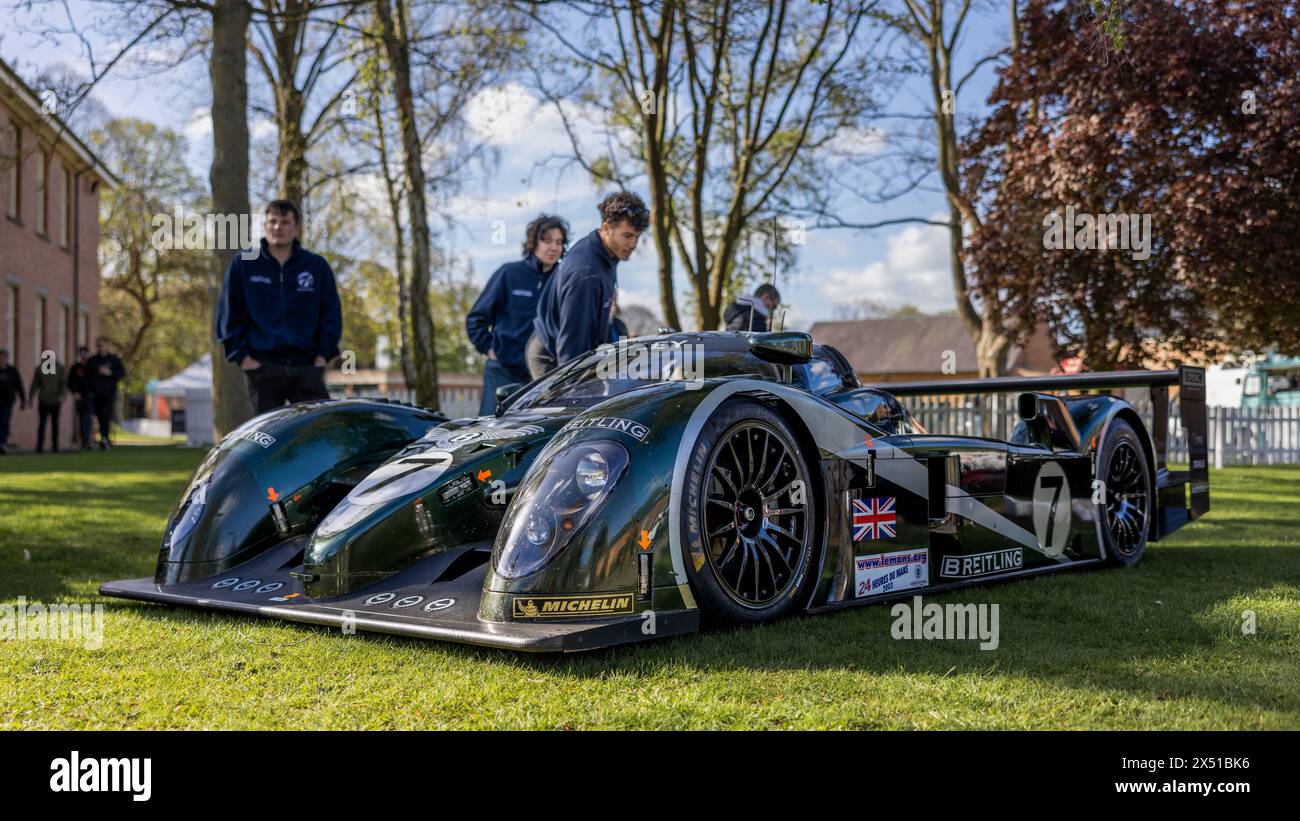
<point>1238,436</point>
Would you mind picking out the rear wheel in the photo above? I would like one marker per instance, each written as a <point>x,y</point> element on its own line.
<point>748,516</point>
<point>1122,466</point>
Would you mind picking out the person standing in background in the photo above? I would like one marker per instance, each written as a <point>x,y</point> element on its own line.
<point>753,313</point>
<point>280,318</point>
<point>501,320</point>
<point>104,370</point>
<point>573,315</point>
<point>11,388</point>
<point>83,404</point>
<point>49,386</point>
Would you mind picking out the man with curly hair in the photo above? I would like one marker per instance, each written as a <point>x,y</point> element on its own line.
<point>573,315</point>
<point>501,320</point>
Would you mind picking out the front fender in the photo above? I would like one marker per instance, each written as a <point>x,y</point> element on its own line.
<point>624,549</point>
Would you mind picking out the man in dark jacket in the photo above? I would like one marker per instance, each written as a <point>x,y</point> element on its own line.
<point>573,315</point>
<point>79,387</point>
<point>753,313</point>
<point>11,388</point>
<point>104,371</point>
<point>280,317</point>
<point>49,386</point>
<point>501,320</point>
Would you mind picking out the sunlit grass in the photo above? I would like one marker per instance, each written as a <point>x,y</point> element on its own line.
<point>1160,646</point>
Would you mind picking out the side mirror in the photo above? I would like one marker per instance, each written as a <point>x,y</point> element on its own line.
<point>782,347</point>
<point>505,392</point>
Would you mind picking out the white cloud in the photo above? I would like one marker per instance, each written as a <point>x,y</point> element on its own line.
<point>915,271</point>
<point>527,129</point>
<point>261,128</point>
<point>858,141</point>
<point>199,126</point>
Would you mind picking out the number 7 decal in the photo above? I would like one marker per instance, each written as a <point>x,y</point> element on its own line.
<point>1051,508</point>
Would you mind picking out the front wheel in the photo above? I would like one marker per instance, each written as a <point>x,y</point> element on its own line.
<point>748,516</point>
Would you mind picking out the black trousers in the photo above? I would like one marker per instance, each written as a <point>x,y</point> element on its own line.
<point>272,385</point>
<point>85,414</point>
<point>540,361</point>
<point>6,416</point>
<point>51,413</point>
<point>103,413</point>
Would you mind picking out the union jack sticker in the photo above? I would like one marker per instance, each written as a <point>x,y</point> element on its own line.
<point>874,518</point>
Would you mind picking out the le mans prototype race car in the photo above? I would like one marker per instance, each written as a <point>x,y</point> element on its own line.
<point>735,479</point>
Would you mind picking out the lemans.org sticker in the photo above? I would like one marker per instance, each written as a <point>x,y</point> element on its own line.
<point>451,440</point>
<point>891,572</point>
<point>982,564</point>
<point>636,430</point>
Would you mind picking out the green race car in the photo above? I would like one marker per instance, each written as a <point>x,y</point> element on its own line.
<point>667,482</point>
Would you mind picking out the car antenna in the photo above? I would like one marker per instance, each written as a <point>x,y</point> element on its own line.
<point>773,283</point>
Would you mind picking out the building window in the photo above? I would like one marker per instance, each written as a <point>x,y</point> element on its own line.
<point>83,328</point>
<point>14,171</point>
<point>40,327</point>
<point>42,190</point>
<point>65,224</point>
<point>11,323</point>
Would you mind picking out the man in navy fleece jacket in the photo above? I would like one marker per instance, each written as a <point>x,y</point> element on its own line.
<point>501,320</point>
<point>279,317</point>
<point>574,313</point>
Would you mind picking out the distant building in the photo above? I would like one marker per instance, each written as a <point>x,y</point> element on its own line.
<point>458,393</point>
<point>917,348</point>
<point>49,238</point>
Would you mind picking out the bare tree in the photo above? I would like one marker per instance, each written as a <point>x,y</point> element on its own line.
<point>396,35</point>
<point>724,112</point>
<point>934,28</point>
<point>295,44</point>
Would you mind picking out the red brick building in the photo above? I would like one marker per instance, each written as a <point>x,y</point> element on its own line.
<point>49,236</point>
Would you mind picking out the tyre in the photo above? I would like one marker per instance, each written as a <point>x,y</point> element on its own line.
<point>1122,466</point>
<point>748,517</point>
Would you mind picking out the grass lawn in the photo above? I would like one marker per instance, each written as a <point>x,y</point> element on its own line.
<point>1160,646</point>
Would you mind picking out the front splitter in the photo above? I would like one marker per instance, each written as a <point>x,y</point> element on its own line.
<point>432,599</point>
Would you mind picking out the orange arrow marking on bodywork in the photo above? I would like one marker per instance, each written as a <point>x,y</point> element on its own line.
<point>272,495</point>
<point>645,539</point>
<point>870,444</point>
<point>484,474</point>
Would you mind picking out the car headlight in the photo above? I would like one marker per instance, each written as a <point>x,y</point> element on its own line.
<point>188,516</point>
<point>592,473</point>
<point>554,503</point>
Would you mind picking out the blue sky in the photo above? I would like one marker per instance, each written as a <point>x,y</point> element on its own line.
<point>895,265</point>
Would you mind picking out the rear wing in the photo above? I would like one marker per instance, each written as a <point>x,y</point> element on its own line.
<point>1174,508</point>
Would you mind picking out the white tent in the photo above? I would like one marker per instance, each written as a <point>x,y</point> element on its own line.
<point>196,377</point>
<point>195,385</point>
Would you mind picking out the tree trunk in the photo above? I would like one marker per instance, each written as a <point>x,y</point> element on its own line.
<point>290,103</point>
<point>399,246</point>
<point>229,179</point>
<point>424,353</point>
<point>291,161</point>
